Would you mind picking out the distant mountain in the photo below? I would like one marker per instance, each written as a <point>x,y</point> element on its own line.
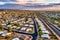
<point>19,6</point>
<point>31,6</point>
<point>54,3</point>
<point>11,6</point>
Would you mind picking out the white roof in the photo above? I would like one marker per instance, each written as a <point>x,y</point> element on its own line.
<point>28,29</point>
<point>23,28</point>
<point>46,31</point>
<point>56,21</point>
<point>43,28</point>
<point>4,34</point>
<point>45,36</point>
<point>1,32</point>
<point>8,33</point>
<point>26,25</point>
<point>3,24</point>
<point>22,19</point>
<point>31,25</point>
<point>18,28</point>
<point>27,21</point>
<point>18,20</point>
<point>12,22</point>
<point>9,25</point>
<point>16,39</point>
<point>14,26</point>
<point>15,21</point>
<point>21,24</point>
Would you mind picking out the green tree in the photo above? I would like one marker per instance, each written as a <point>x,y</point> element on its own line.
<point>9,29</point>
<point>58,25</point>
<point>1,27</point>
<point>40,33</point>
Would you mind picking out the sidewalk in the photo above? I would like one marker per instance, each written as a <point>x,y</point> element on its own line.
<point>44,30</point>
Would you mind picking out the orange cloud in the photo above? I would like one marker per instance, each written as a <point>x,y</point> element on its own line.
<point>30,1</point>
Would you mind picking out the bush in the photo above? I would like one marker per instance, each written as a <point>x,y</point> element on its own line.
<point>1,27</point>
<point>40,33</point>
<point>9,29</point>
<point>58,25</point>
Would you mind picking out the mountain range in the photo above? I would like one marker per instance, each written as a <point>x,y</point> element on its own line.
<point>28,6</point>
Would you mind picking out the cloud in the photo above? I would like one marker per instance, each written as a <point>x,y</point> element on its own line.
<point>37,1</point>
<point>52,1</point>
<point>2,3</point>
<point>30,1</point>
<point>40,1</point>
<point>56,1</point>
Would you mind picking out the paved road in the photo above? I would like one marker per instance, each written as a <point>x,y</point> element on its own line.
<point>34,35</point>
<point>56,30</point>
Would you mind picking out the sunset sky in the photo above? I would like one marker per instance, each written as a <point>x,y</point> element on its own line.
<point>29,4</point>
<point>29,1</point>
<point>40,1</point>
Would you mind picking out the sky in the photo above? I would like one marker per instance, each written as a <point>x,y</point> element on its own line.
<point>40,1</point>
<point>2,2</point>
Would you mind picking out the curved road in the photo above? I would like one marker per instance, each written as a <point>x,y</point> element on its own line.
<point>34,35</point>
